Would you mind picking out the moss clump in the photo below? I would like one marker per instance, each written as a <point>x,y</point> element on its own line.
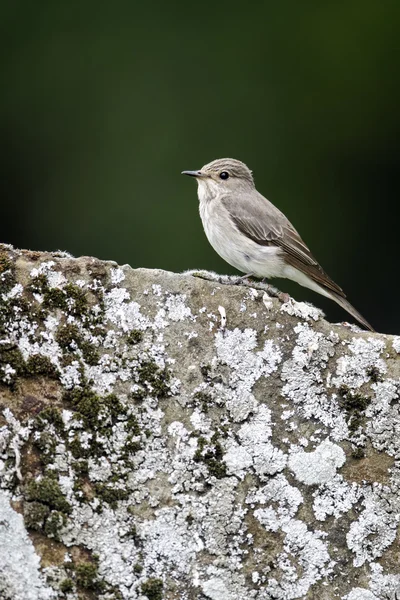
<point>88,579</point>
<point>54,523</point>
<point>109,494</point>
<point>11,355</point>
<point>153,381</point>
<point>71,298</point>
<point>374,374</point>
<point>54,298</point>
<point>66,586</point>
<point>67,334</point>
<point>205,400</point>
<point>153,589</point>
<point>137,568</point>
<point>37,364</point>
<point>47,491</point>
<point>51,416</point>
<point>205,370</point>
<point>46,444</point>
<point>355,405</point>
<point>35,514</point>
<point>78,451</point>
<point>81,468</point>
<point>134,337</point>
<point>7,281</point>
<point>95,411</point>
<point>98,415</point>
<point>131,445</point>
<point>78,297</point>
<point>70,338</point>
<point>211,454</point>
<point>358,453</point>
<point>87,404</point>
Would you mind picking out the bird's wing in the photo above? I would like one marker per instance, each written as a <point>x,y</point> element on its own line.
<point>267,225</point>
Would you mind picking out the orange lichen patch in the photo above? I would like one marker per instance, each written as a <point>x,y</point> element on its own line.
<point>375,467</point>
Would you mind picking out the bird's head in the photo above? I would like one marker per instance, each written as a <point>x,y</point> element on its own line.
<point>222,176</point>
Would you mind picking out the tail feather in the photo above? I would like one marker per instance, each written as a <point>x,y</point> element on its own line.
<point>351,310</point>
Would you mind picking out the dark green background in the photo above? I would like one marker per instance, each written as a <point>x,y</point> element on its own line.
<point>103,104</point>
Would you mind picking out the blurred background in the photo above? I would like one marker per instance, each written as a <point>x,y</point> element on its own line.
<point>103,104</point>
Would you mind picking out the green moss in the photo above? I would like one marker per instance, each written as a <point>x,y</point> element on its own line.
<point>51,416</point>
<point>114,406</point>
<point>79,300</point>
<point>37,364</point>
<point>77,450</point>
<point>87,404</point>
<point>54,523</point>
<point>374,374</point>
<point>205,370</point>
<point>66,586</point>
<point>98,415</point>
<point>54,298</point>
<point>131,445</point>
<point>71,298</point>
<point>355,405</point>
<point>90,353</point>
<point>93,410</point>
<point>137,568</point>
<point>11,355</point>
<point>153,589</point>
<point>69,337</point>
<point>46,444</point>
<point>38,284</point>
<point>67,334</point>
<point>205,400</point>
<point>81,468</point>
<point>134,337</point>
<point>34,515</point>
<point>358,453</point>
<point>110,494</point>
<point>211,454</point>
<point>154,381</point>
<point>48,491</point>
<point>87,577</point>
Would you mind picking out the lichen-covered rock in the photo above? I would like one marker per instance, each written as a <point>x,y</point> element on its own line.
<point>170,436</point>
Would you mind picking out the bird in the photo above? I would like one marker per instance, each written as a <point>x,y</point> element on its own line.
<point>253,235</point>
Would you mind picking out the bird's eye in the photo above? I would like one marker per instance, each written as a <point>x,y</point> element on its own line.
<point>224,175</point>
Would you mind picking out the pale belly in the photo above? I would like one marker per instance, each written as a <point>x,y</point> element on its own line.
<point>240,252</point>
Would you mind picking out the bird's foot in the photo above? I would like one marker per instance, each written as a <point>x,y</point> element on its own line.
<point>283,297</point>
<point>242,278</point>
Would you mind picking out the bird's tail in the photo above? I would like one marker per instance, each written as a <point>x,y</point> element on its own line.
<point>351,310</point>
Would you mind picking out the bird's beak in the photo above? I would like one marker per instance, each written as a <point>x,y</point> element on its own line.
<point>192,173</point>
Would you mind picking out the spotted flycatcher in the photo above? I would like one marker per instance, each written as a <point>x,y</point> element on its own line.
<point>253,236</point>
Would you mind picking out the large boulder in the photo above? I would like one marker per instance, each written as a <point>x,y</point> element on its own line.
<point>176,436</point>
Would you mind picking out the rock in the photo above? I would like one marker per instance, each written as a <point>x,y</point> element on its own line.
<point>176,436</point>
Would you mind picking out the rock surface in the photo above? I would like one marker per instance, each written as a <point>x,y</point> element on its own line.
<point>164,436</point>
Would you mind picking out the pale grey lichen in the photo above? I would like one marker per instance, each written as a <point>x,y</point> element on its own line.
<point>20,576</point>
<point>318,466</point>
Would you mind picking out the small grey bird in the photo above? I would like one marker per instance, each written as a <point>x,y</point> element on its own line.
<point>255,237</point>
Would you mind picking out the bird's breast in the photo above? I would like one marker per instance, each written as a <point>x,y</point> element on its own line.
<point>233,246</point>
